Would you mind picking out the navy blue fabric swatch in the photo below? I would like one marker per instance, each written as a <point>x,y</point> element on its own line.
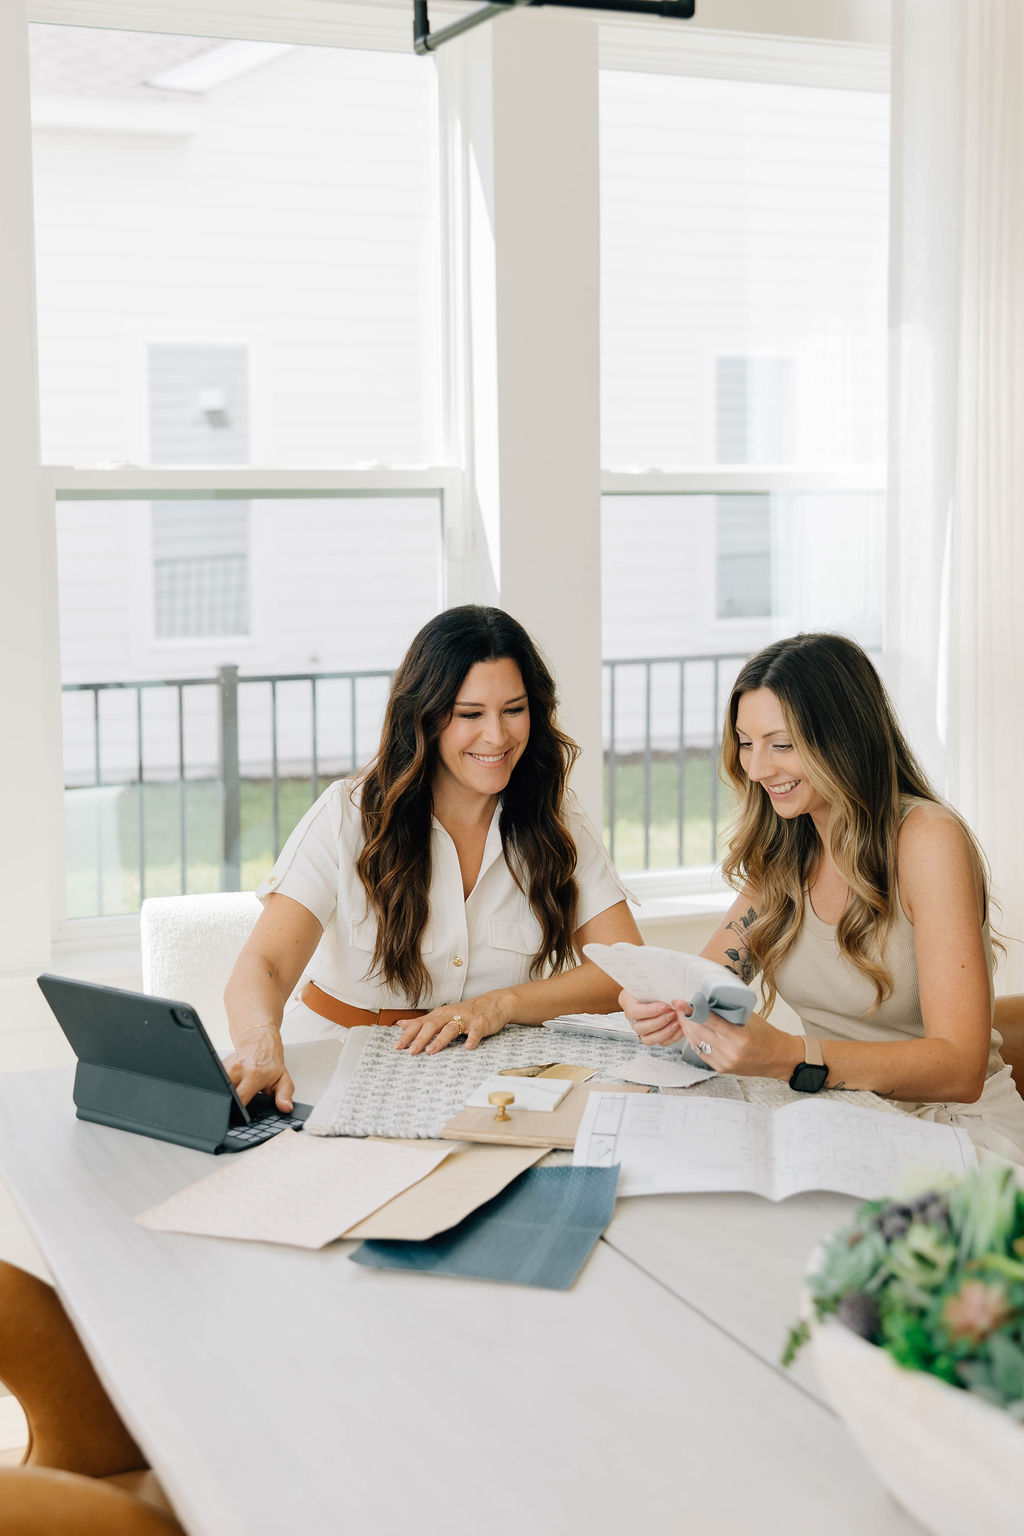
<point>537,1231</point>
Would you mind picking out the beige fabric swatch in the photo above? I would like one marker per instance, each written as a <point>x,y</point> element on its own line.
<point>297,1189</point>
<point>464,1181</point>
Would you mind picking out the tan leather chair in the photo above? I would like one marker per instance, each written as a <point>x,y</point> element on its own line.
<point>1009,1020</point>
<point>83,1474</point>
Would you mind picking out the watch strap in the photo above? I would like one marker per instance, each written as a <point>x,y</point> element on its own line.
<point>811,1074</point>
<point>812,1051</point>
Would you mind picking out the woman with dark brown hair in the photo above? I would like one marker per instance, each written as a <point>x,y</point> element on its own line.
<point>452,884</point>
<point>862,901</point>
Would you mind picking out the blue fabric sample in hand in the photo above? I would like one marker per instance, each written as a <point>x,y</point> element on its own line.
<point>538,1231</point>
<point>731,1000</point>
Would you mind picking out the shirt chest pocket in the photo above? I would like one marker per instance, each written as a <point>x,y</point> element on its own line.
<point>516,941</point>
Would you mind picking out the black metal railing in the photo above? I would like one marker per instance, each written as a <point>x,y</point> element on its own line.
<point>662,726</point>
<point>172,765</point>
<point>664,714</point>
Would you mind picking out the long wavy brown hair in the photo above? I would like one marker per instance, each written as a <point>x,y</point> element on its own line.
<point>397,799</point>
<point>844,728</point>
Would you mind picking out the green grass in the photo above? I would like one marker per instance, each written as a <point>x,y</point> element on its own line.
<point>664,846</point>
<point>103,832</point>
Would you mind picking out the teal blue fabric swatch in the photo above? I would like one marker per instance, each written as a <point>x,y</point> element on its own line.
<point>538,1231</point>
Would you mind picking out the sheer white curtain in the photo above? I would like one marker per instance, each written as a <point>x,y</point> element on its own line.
<point>955,610</point>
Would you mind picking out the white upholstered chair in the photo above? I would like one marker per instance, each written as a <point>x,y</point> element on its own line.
<point>189,944</point>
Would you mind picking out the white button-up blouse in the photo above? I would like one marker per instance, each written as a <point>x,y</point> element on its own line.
<point>470,945</point>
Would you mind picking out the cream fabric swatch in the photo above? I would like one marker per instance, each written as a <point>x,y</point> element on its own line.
<point>297,1189</point>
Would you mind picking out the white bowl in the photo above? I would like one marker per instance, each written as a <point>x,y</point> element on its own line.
<point>952,1460</point>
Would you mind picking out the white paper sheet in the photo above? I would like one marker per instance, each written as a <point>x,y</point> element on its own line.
<point>605,1026</point>
<point>660,1072</point>
<point>297,1189</point>
<point>533,1093</point>
<point>689,1144</point>
<point>655,975</point>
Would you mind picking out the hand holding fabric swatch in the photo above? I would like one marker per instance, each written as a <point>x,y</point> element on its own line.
<point>655,975</point>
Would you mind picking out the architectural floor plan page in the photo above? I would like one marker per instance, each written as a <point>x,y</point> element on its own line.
<point>682,1145</point>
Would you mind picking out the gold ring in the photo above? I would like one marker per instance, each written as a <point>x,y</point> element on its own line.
<point>457,1020</point>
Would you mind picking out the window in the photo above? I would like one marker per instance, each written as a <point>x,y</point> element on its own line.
<point>200,569</point>
<point>237,251</point>
<point>198,197</point>
<point>743,557</point>
<point>287,195</point>
<point>754,410</point>
<point>743,345</point>
<point>185,772</point>
<point>199,414</point>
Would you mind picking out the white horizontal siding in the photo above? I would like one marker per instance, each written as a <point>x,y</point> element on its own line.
<point>659,590</point>
<point>336,585</point>
<point>301,216</point>
<point>741,219</point>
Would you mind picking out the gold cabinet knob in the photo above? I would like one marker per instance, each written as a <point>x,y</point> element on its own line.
<point>501,1101</point>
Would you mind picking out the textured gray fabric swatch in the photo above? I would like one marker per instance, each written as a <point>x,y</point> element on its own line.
<point>378,1091</point>
<point>538,1231</point>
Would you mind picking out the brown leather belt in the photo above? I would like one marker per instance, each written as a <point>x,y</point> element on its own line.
<point>346,1015</point>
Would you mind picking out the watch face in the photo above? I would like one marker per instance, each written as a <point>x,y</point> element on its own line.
<point>808,1078</point>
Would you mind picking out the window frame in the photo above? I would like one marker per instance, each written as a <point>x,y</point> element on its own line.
<point>633,45</point>
<point>645,48</point>
<point>308,23</point>
<point>683,885</point>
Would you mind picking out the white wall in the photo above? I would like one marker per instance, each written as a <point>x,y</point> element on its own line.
<point>27,609</point>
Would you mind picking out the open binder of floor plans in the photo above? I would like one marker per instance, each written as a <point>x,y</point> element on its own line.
<point>683,1145</point>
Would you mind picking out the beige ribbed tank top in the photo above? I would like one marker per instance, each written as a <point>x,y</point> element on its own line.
<point>833,999</point>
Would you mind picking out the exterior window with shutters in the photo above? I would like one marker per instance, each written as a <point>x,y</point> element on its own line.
<point>743,386</point>
<point>743,557</point>
<point>199,414</point>
<point>754,425</point>
<point>239,278</point>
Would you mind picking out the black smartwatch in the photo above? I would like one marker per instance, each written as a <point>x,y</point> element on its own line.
<point>811,1074</point>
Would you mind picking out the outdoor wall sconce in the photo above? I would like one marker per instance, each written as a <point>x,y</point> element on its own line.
<point>213,405</point>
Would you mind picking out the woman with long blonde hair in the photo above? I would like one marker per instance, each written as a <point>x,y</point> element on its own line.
<point>863,903</point>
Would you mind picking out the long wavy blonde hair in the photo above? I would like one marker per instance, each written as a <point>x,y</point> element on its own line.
<point>845,730</point>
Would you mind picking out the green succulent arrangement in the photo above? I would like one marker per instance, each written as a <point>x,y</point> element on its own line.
<point>937,1281</point>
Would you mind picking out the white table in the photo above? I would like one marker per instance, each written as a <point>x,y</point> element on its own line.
<point>278,1389</point>
<point>736,1259</point>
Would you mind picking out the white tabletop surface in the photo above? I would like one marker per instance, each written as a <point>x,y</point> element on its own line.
<point>276,1389</point>
<point>737,1259</point>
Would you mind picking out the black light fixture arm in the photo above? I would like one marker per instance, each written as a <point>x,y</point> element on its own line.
<point>426,42</point>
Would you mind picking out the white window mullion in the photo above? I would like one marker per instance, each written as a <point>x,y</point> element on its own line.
<point>531,189</point>
<point>30,764</point>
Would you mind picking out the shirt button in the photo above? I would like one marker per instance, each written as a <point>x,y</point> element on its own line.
<point>457,960</point>
<point>272,880</point>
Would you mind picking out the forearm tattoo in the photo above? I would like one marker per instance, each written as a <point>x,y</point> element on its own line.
<point>742,965</point>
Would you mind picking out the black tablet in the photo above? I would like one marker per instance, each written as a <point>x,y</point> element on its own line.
<point>146,1064</point>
